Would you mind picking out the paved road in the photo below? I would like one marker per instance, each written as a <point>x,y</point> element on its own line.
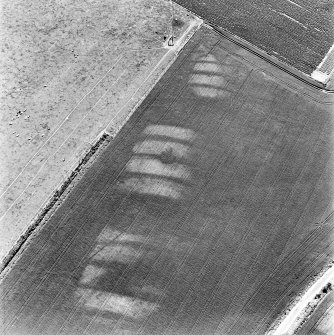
<point>298,32</point>
<point>205,215</point>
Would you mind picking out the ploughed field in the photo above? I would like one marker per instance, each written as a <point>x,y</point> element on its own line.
<point>298,32</point>
<point>206,214</point>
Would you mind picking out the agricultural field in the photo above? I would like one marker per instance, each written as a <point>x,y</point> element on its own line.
<point>208,213</point>
<point>299,33</point>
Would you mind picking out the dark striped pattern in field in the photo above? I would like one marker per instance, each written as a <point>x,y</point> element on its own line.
<point>297,32</point>
<point>205,215</point>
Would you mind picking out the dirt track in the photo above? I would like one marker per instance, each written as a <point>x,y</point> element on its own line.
<point>206,214</point>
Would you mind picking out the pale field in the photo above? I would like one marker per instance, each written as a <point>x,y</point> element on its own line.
<point>210,212</point>
<point>69,69</point>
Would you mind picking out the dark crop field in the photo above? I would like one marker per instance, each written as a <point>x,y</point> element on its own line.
<point>298,32</point>
<point>207,214</point>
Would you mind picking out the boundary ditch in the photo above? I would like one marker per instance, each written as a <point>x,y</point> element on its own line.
<point>58,196</point>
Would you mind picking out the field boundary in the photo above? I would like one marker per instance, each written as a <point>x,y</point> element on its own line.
<point>58,196</point>
<point>270,59</point>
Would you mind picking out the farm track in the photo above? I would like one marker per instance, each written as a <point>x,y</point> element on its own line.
<point>201,244</point>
